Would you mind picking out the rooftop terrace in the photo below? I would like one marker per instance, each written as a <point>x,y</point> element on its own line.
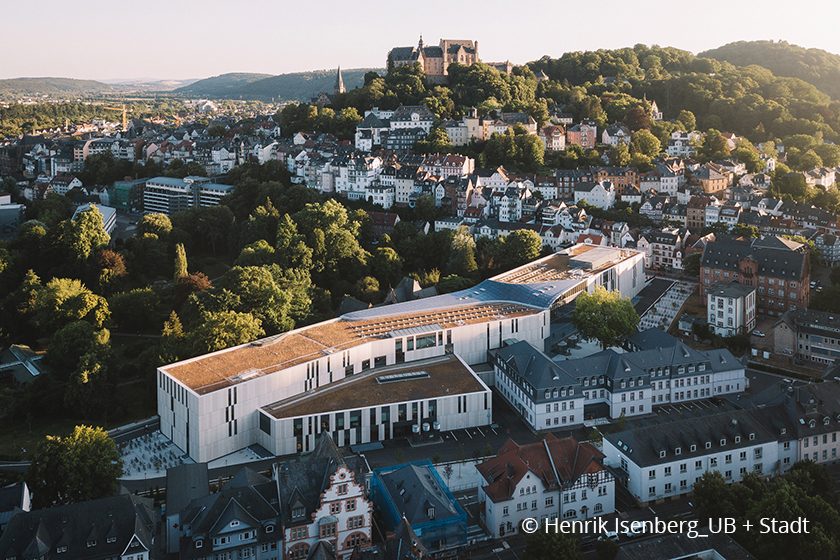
<point>423,379</point>
<point>211,372</point>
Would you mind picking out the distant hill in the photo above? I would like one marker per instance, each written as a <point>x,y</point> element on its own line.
<point>41,86</point>
<point>817,67</point>
<point>300,86</point>
<point>221,86</point>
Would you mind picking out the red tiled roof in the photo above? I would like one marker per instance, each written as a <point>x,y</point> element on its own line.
<point>549,460</point>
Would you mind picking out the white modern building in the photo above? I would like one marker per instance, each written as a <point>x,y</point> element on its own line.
<point>547,480</point>
<point>216,404</point>
<point>730,308</point>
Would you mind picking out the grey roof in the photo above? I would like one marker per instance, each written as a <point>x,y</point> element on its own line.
<point>644,445</point>
<point>729,289</point>
<point>248,497</point>
<point>37,533</point>
<point>185,483</point>
<point>414,490</point>
<point>681,546</point>
<point>535,367</point>
<point>651,339</point>
<point>774,259</point>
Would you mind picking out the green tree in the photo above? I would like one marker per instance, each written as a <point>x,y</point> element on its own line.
<point>258,253</point>
<point>367,289</point>
<point>221,330</point>
<point>744,230</point>
<point>645,143</point>
<point>80,467</point>
<point>65,300</point>
<point>77,239</point>
<point>425,208</point>
<point>620,155</point>
<point>691,264</point>
<point>551,545</point>
<point>172,343</point>
<point>520,247</point>
<point>136,310</point>
<point>453,283</point>
<point>604,316</point>
<point>157,224</point>
<point>713,497</point>
<point>180,261</point>
<point>462,254</point>
<point>687,119</point>
<point>386,265</point>
<point>87,390</point>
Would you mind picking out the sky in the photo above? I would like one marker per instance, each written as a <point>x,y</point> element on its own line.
<point>183,39</point>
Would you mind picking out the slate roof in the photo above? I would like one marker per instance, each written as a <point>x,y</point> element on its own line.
<point>119,518</point>
<point>729,289</point>
<point>775,258</point>
<point>644,445</point>
<point>651,339</point>
<point>414,490</point>
<point>681,546</point>
<point>185,483</point>
<point>532,369</point>
<point>248,497</point>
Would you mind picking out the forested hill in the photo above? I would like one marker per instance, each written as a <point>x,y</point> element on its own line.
<point>300,86</point>
<point>815,66</point>
<point>34,86</point>
<point>222,86</point>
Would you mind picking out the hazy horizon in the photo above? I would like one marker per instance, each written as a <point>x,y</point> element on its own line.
<point>200,39</point>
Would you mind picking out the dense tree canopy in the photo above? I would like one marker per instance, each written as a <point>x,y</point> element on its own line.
<point>604,316</point>
<point>82,466</point>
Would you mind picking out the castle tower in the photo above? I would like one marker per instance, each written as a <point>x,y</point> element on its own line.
<point>339,83</point>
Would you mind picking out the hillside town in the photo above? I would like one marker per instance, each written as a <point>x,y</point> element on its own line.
<point>317,394</point>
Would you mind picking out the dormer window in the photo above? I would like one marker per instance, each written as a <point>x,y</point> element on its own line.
<point>661,454</point>
<point>431,513</point>
<point>298,512</point>
<point>825,421</point>
<point>110,540</point>
<point>708,445</point>
<point>737,439</point>
<point>269,528</point>
<point>723,442</point>
<point>693,448</point>
<point>234,523</point>
<point>61,549</point>
<point>812,424</point>
<point>678,451</point>
<point>91,544</point>
<point>784,431</point>
<point>199,543</point>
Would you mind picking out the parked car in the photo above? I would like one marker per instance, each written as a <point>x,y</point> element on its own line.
<point>634,531</point>
<point>758,333</point>
<point>609,536</point>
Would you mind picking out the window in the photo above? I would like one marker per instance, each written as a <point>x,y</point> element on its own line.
<point>335,508</point>
<point>350,505</point>
<point>667,471</point>
<point>505,511</point>
<point>549,501</point>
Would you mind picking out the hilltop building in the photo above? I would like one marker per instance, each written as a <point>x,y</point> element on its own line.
<point>435,61</point>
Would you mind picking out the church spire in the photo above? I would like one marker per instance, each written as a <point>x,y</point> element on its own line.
<point>420,44</point>
<point>339,83</point>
